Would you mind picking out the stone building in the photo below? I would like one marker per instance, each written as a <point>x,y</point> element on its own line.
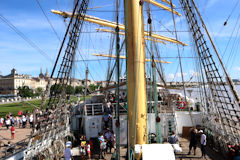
<point>9,84</point>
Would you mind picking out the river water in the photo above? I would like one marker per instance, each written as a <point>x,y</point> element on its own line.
<point>194,93</point>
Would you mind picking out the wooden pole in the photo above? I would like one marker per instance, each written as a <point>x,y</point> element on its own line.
<point>137,102</point>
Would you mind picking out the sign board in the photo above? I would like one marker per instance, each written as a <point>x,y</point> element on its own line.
<point>157,151</point>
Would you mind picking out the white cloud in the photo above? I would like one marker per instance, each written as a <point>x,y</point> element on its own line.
<point>211,3</point>
<point>35,23</point>
<point>193,73</point>
<point>180,74</point>
<point>170,22</point>
<point>170,76</point>
<point>237,68</point>
<point>225,34</point>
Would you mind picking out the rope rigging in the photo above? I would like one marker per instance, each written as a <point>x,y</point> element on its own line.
<point>44,13</point>
<point>153,84</point>
<point>180,64</point>
<point>235,6</point>
<point>118,50</point>
<point>55,119</point>
<point>25,38</point>
<point>227,114</point>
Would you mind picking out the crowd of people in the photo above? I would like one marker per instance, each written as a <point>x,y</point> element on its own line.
<point>20,121</point>
<point>108,110</point>
<point>113,97</point>
<point>106,141</point>
<point>85,147</point>
<point>196,137</point>
<point>234,152</point>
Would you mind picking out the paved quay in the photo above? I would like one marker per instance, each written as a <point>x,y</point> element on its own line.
<point>20,135</point>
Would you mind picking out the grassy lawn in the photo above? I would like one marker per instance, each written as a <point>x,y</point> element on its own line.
<point>15,107</point>
<point>25,106</point>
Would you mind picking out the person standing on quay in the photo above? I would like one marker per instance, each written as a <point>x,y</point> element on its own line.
<point>7,122</point>
<point>12,132</point>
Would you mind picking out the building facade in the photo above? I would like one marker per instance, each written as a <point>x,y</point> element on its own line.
<point>9,84</point>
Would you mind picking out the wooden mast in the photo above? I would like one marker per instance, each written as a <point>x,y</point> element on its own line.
<point>137,104</point>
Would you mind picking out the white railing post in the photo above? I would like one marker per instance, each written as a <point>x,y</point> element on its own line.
<point>92,110</point>
<point>85,110</point>
<point>102,109</point>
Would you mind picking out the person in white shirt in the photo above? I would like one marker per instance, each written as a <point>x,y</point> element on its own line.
<point>89,150</point>
<point>68,152</point>
<point>8,123</point>
<point>1,122</point>
<point>24,121</point>
<point>108,107</point>
<point>31,121</point>
<point>203,142</point>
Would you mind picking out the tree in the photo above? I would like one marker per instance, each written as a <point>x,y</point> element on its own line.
<point>25,91</point>
<point>78,89</point>
<point>39,91</point>
<point>56,88</point>
<point>92,87</point>
<point>69,90</point>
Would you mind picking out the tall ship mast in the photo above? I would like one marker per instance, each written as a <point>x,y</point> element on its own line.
<point>137,104</point>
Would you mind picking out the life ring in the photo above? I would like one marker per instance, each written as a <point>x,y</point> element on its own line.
<point>181,104</point>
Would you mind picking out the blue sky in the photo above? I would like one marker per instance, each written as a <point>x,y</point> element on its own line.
<point>29,19</point>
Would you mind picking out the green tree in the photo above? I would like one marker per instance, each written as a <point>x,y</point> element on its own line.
<point>39,91</point>
<point>25,91</point>
<point>78,89</point>
<point>98,86</point>
<point>56,88</point>
<point>69,90</point>
<point>92,87</point>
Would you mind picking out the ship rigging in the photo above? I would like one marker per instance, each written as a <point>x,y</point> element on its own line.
<point>220,101</point>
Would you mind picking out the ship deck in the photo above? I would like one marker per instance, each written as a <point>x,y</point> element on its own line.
<point>184,143</point>
<point>22,134</point>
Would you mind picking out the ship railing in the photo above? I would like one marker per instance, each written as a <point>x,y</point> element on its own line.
<point>122,108</point>
<point>13,149</point>
<point>94,109</point>
<point>99,109</point>
<point>150,105</point>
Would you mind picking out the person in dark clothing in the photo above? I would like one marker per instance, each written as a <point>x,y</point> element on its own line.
<point>38,126</point>
<point>173,139</point>
<point>193,141</point>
